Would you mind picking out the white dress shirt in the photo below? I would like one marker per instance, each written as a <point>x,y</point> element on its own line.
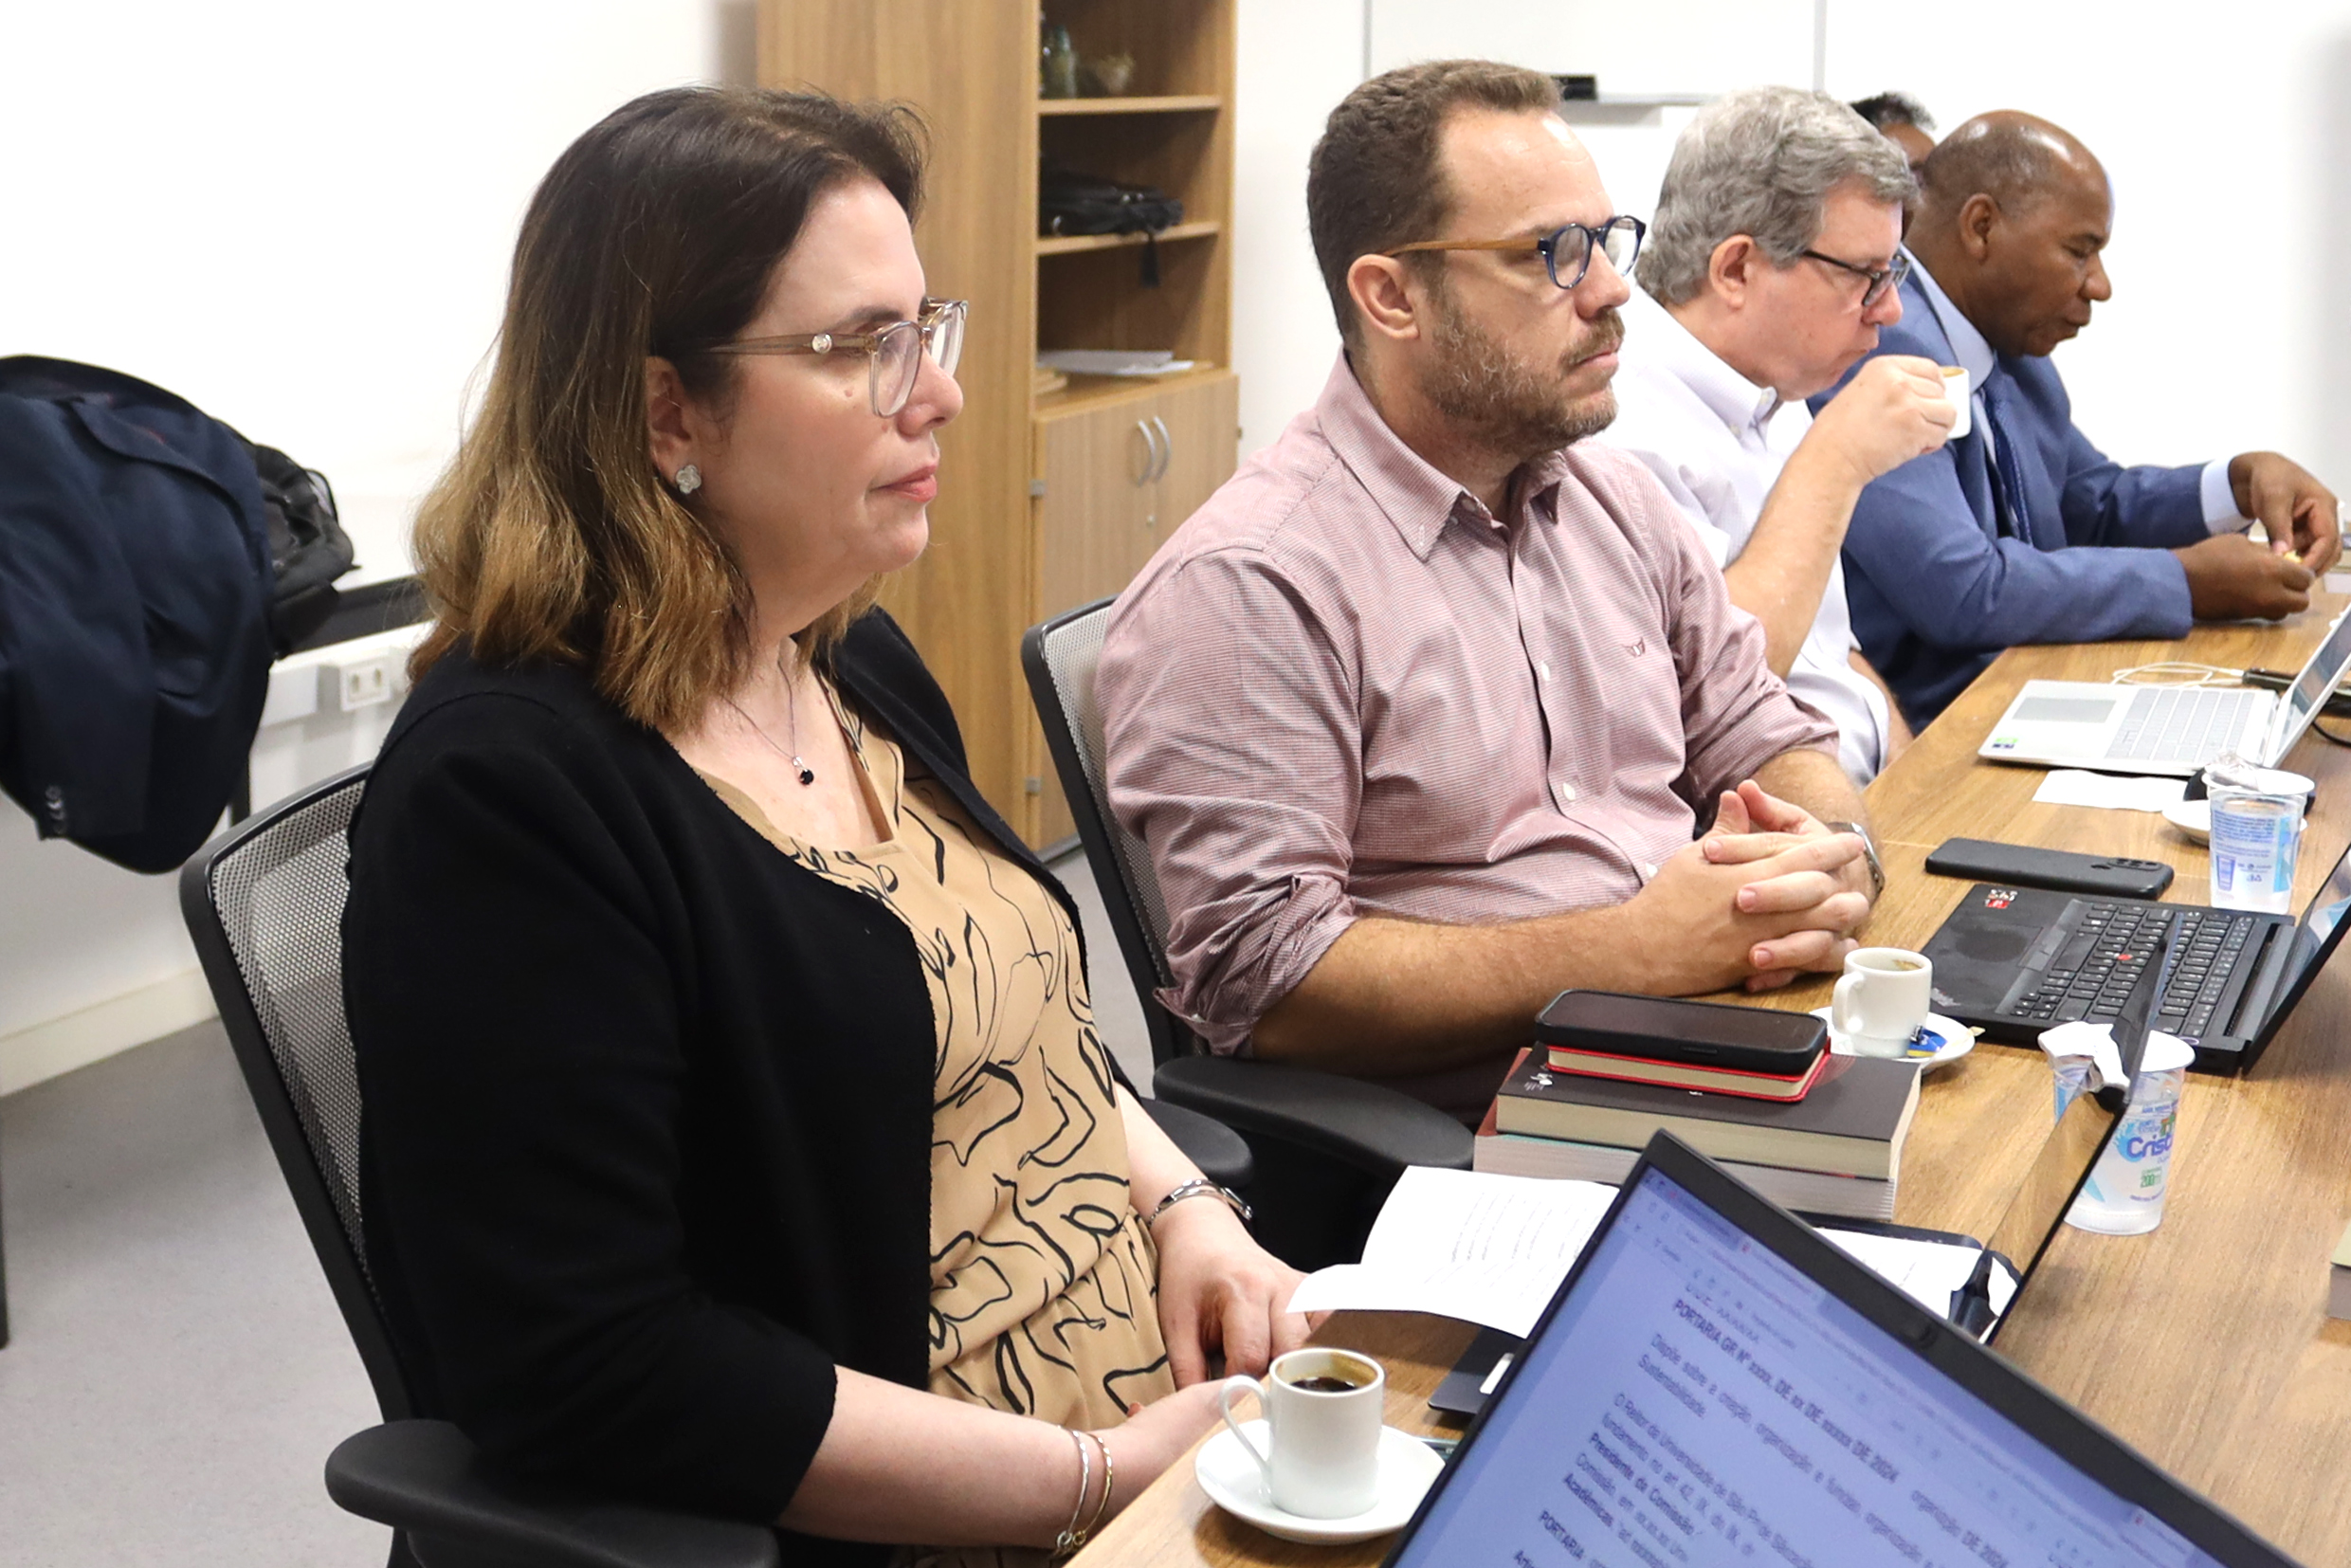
<point>1717,441</point>
<point>1970,351</point>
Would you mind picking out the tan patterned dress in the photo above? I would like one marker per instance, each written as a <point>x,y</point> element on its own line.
<point>1042,1300</point>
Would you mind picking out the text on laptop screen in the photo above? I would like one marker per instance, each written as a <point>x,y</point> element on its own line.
<point>1698,1401</point>
<point>2316,680</point>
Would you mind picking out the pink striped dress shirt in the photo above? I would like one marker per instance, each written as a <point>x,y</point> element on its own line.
<point>1345,688</point>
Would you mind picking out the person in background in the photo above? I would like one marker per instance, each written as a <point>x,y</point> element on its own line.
<point>1421,714</point>
<point>2022,531</point>
<point>1770,267</point>
<point>738,1138</point>
<point>1901,119</point>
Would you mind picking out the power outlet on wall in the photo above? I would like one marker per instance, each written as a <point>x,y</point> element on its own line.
<point>365,683</point>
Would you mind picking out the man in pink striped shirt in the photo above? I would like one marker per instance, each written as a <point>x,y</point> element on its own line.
<point>1420,715</point>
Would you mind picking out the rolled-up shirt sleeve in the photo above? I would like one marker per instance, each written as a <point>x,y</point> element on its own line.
<point>1234,753</point>
<point>1736,714</point>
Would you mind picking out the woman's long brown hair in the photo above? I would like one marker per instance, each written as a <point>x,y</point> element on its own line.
<point>551,537</point>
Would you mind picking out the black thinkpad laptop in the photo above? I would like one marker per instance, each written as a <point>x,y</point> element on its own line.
<point>1715,1386</point>
<point>2013,961</point>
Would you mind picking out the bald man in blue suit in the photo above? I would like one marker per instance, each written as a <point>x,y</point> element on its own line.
<point>2022,531</point>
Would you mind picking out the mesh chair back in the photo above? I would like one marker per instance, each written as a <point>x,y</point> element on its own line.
<point>264,904</point>
<point>1061,657</point>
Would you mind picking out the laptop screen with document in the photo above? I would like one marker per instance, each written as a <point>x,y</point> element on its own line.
<point>1694,1397</point>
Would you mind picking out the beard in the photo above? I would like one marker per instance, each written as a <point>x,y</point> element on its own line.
<point>1509,406</point>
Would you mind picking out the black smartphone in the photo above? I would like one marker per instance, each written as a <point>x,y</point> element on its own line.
<point>1703,1035</point>
<point>2028,866</point>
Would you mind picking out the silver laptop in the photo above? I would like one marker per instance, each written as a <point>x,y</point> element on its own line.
<point>2164,729</point>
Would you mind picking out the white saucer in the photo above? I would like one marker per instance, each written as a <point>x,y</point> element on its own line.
<point>1952,1040</point>
<point>1234,1484</point>
<point>2192,817</point>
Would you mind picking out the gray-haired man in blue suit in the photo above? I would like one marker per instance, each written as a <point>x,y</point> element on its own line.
<point>1994,540</point>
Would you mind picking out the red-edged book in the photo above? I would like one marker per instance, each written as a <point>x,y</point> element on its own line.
<point>1683,1075</point>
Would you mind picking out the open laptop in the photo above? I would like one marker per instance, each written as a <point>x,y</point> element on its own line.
<point>2165,729</point>
<point>2013,961</point>
<point>1993,1282</point>
<point>1715,1385</point>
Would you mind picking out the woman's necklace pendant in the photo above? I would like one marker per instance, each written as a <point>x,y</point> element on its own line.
<point>808,774</point>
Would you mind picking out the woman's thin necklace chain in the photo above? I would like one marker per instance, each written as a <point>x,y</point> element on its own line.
<point>791,716</point>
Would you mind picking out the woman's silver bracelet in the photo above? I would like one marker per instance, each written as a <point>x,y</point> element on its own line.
<point>1072,1538</point>
<point>1199,1186</point>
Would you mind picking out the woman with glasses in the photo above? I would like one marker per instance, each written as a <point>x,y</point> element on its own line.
<point>737,1132</point>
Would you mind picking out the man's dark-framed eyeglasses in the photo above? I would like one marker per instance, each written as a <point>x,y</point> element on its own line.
<point>1882,280</point>
<point>1566,250</point>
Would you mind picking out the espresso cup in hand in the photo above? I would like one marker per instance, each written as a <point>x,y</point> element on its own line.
<point>1956,388</point>
<point>1881,999</point>
<point>1322,1419</point>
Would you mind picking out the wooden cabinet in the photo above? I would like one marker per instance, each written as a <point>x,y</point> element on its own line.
<point>1047,500</point>
<point>1117,476</point>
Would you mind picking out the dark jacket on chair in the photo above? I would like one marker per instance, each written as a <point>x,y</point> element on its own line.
<point>648,1134</point>
<point>135,581</point>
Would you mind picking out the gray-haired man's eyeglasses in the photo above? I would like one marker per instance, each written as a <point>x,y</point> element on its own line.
<point>1882,280</point>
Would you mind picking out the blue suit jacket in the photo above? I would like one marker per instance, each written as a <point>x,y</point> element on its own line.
<point>1936,592</point>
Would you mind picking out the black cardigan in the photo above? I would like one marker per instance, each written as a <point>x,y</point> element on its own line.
<point>647,1143</point>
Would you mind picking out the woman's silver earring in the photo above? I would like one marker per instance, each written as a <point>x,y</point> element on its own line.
<point>690,480</point>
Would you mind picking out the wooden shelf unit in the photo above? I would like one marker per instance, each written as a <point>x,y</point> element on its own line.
<point>1047,500</point>
<point>1168,103</point>
<point>1064,245</point>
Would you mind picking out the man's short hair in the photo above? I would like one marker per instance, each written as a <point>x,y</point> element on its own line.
<point>1760,162</point>
<point>1888,110</point>
<point>1374,181</point>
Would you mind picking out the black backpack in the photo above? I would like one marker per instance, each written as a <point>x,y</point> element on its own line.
<point>1071,203</point>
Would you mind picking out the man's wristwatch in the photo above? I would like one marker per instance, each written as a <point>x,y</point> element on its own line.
<point>1869,853</point>
<point>1199,1186</point>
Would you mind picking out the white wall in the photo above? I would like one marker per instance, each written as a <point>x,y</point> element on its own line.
<point>298,215</point>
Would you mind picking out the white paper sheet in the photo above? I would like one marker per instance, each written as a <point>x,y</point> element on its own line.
<point>2074,787</point>
<point>1485,1248</point>
<point>1492,1249</point>
<point>1113,361</point>
<point>1926,1271</point>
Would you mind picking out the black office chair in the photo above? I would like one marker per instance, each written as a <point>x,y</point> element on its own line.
<point>264,904</point>
<point>1329,1148</point>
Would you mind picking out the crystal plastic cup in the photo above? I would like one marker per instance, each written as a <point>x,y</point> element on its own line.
<point>2123,1195</point>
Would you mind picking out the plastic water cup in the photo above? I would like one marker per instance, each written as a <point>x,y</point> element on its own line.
<point>2257,836</point>
<point>2123,1195</point>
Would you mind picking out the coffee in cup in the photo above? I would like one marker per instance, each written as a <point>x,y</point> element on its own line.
<point>1324,1411</point>
<point>1882,999</point>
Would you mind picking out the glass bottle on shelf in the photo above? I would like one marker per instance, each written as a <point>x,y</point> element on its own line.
<point>1060,63</point>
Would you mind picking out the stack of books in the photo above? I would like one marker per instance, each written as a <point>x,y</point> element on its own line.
<point>1832,1146</point>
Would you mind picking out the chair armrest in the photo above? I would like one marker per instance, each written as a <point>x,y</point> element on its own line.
<point>1216,1149</point>
<point>422,1479</point>
<point>1366,1125</point>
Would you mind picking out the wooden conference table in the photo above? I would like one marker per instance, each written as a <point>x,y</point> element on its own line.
<point>2205,1345</point>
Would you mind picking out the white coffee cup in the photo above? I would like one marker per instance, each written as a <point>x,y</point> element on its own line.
<point>1881,999</point>
<point>1326,1439</point>
<point>1955,387</point>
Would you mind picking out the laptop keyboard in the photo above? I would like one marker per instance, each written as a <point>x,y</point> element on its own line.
<point>2179,723</point>
<point>2093,976</point>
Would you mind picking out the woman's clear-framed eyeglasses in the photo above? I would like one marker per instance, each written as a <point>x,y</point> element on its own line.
<point>893,354</point>
<point>1566,250</point>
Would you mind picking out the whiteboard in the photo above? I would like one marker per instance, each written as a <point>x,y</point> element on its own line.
<point>1682,47</point>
